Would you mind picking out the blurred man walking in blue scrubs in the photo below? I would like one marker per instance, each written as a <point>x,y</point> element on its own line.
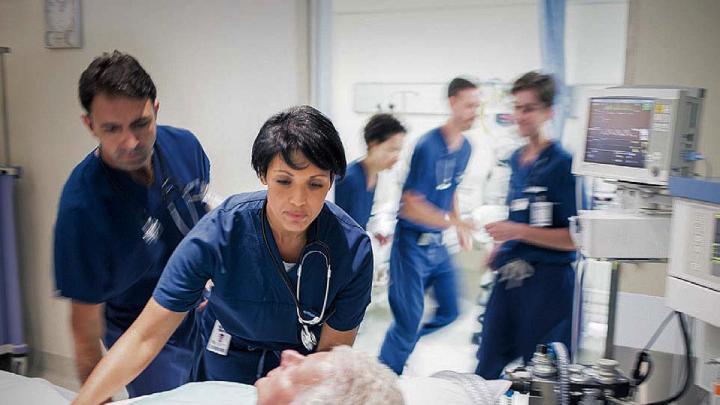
<point>122,212</point>
<point>531,301</point>
<point>419,259</point>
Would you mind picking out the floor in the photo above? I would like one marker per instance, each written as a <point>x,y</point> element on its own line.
<point>447,349</point>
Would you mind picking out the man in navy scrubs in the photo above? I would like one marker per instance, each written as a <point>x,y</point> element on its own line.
<point>122,212</point>
<point>531,301</point>
<point>419,259</point>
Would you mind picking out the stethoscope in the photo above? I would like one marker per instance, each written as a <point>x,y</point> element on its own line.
<point>307,338</point>
<point>152,229</point>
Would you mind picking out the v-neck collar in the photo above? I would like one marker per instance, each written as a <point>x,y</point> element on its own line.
<point>273,250</point>
<point>542,155</point>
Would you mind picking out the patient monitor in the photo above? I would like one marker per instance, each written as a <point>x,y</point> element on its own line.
<point>640,134</point>
<point>637,137</point>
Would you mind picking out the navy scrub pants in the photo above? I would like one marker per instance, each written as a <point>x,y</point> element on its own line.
<point>414,269</point>
<point>518,319</point>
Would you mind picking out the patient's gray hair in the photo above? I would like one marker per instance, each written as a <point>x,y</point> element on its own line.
<point>357,379</point>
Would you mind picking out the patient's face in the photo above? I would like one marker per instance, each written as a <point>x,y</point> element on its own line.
<point>295,374</point>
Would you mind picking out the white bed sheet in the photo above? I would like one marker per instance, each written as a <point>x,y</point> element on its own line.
<point>415,390</point>
<point>20,390</point>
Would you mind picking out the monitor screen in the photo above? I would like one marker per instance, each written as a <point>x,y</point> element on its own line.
<point>618,131</point>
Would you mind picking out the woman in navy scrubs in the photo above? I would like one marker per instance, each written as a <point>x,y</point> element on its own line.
<point>290,270</point>
<point>356,191</point>
<point>531,301</point>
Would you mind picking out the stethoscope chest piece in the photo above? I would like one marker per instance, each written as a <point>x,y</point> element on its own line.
<point>308,338</point>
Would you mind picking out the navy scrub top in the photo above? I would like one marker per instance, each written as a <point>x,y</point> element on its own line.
<point>552,171</point>
<point>100,255</point>
<point>435,172</point>
<point>233,246</point>
<point>352,195</point>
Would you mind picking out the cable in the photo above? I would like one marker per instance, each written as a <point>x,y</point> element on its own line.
<point>562,366</point>
<point>659,331</point>
<point>580,200</point>
<point>644,359</point>
<point>688,364</point>
<point>639,375</point>
<point>577,306</point>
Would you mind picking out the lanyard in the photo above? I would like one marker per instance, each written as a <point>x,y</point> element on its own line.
<point>152,228</point>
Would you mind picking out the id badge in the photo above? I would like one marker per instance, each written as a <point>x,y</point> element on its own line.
<point>219,340</point>
<point>519,204</point>
<point>541,214</point>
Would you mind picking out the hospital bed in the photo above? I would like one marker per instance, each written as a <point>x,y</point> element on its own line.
<point>17,390</point>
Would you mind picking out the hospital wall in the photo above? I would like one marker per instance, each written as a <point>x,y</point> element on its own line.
<point>221,68</point>
<point>676,43</point>
<point>431,41</point>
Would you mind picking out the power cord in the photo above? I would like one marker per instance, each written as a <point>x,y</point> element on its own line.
<point>644,365</point>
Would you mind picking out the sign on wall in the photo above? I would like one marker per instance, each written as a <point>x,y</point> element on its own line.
<point>62,24</point>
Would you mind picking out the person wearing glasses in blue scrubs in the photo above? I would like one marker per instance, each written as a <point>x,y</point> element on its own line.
<point>419,259</point>
<point>122,212</point>
<point>290,270</point>
<point>531,301</point>
<point>356,191</point>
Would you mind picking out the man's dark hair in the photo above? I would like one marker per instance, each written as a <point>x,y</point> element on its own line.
<point>381,127</point>
<point>115,74</point>
<point>459,84</point>
<point>542,84</point>
<point>299,129</point>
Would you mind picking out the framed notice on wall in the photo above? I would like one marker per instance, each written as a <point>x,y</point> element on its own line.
<point>62,24</point>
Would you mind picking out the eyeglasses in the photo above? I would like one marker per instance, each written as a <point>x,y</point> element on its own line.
<point>528,108</point>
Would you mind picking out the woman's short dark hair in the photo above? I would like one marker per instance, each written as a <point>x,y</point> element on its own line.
<point>542,84</point>
<point>381,127</point>
<point>299,129</point>
<point>115,74</point>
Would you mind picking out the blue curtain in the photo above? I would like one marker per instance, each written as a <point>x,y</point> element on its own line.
<point>552,51</point>
<point>11,325</point>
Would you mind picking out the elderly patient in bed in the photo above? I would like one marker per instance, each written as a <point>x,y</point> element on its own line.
<point>341,376</point>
